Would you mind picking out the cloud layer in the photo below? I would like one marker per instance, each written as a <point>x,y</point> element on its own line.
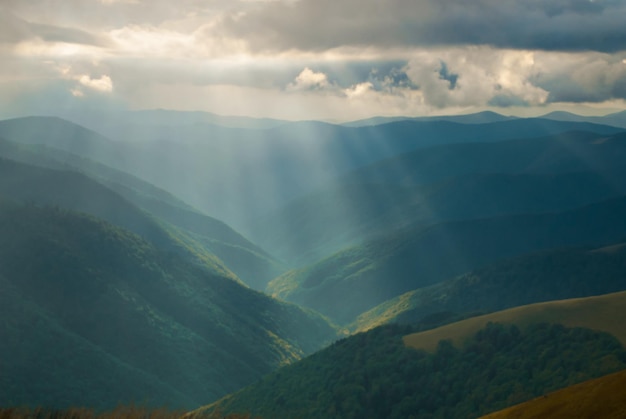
<point>316,57</point>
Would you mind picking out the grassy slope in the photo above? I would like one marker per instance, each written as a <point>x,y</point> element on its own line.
<point>600,398</point>
<point>357,279</point>
<point>124,321</point>
<point>604,313</point>
<point>543,276</point>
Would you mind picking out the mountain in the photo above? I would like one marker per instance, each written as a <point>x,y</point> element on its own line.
<point>451,182</point>
<point>374,375</point>
<point>599,398</point>
<point>94,315</point>
<point>237,174</point>
<point>118,197</point>
<point>543,276</point>
<point>116,124</point>
<point>602,313</point>
<point>474,118</point>
<point>617,119</point>
<point>74,191</point>
<point>358,278</point>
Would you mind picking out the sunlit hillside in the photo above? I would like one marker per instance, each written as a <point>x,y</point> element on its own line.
<point>603,313</point>
<point>599,398</point>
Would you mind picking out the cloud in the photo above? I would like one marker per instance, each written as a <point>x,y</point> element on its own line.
<point>14,29</point>
<point>316,25</point>
<point>475,77</point>
<point>101,84</point>
<point>309,80</point>
<point>582,78</point>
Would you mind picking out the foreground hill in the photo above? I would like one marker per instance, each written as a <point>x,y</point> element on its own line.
<point>603,313</point>
<point>122,321</point>
<point>599,398</point>
<point>374,375</point>
<point>543,276</point>
<point>443,183</point>
<point>359,278</point>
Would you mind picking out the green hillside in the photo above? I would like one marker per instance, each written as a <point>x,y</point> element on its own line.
<point>602,313</point>
<point>250,263</point>
<point>122,321</point>
<point>374,375</point>
<point>599,398</point>
<point>543,276</point>
<point>359,278</point>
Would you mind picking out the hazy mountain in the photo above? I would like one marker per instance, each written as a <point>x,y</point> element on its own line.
<point>322,223</point>
<point>544,276</point>
<point>73,191</point>
<point>374,375</point>
<point>95,315</point>
<point>443,183</point>
<point>617,119</point>
<point>474,118</point>
<point>238,174</point>
<point>358,278</point>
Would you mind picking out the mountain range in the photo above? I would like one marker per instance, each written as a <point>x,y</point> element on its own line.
<point>274,267</point>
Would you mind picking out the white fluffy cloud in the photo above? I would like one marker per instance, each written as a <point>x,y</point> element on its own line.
<point>475,76</point>
<point>101,84</point>
<point>310,80</point>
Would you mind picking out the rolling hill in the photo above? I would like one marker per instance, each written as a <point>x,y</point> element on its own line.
<point>357,279</point>
<point>602,313</point>
<point>374,375</point>
<point>543,276</point>
<point>122,321</point>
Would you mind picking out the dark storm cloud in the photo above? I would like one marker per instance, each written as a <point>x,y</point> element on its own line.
<point>568,25</point>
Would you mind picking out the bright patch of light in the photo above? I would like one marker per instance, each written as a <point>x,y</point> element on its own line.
<point>309,79</point>
<point>102,84</point>
<point>39,48</point>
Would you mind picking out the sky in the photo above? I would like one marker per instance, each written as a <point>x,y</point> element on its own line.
<point>333,60</point>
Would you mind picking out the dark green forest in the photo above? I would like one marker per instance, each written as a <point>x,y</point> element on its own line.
<point>373,375</point>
